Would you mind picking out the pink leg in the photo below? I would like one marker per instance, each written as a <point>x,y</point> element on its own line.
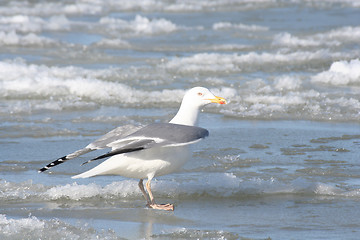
<point>152,204</point>
<point>141,186</point>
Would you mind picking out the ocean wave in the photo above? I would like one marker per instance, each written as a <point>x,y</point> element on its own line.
<point>296,106</point>
<point>282,97</point>
<point>35,228</point>
<point>340,73</point>
<point>140,25</point>
<point>14,39</point>
<point>292,97</point>
<point>50,8</point>
<point>101,7</point>
<point>252,61</point>
<point>239,26</point>
<point>71,88</point>
<point>335,38</point>
<point>186,233</point>
<point>288,40</point>
<point>228,185</point>
<point>19,80</point>
<point>113,43</point>
<point>25,23</point>
<point>123,189</point>
<point>213,185</point>
<point>10,191</point>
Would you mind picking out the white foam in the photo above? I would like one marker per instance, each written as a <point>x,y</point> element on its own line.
<point>185,233</point>
<point>113,43</point>
<point>340,73</point>
<point>83,8</point>
<point>24,30</point>
<point>203,62</point>
<point>228,185</point>
<point>35,228</point>
<point>9,227</point>
<point>16,191</point>
<point>239,26</point>
<point>351,3</point>
<point>37,192</point>
<point>52,8</point>
<point>289,96</point>
<point>226,47</point>
<point>140,25</point>
<point>203,5</point>
<point>343,34</point>
<point>221,185</point>
<point>57,23</point>
<point>287,83</point>
<point>215,184</point>
<point>72,84</point>
<point>21,23</point>
<point>272,101</point>
<point>25,23</point>
<point>215,62</point>
<point>126,188</point>
<point>225,92</point>
<point>335,37</point>
<point>14,39</point>
<point>286,39</point>
<point>94,7</point>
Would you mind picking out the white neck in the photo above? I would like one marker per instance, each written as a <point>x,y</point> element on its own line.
<point>187,115</point>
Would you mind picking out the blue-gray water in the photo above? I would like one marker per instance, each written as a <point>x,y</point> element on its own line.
<point>282,160</point>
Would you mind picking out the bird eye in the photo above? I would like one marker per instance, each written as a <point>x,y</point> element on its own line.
<point>200,94</point>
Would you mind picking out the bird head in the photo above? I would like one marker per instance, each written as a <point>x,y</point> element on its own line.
<point>193,101</point>
<point>201,96</point>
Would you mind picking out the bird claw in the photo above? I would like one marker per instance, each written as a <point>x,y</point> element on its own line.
<point>166,207</point>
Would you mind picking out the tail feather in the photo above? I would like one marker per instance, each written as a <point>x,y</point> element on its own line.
<point>65,158</point>
<point>109,166</point>
<point>98,170</point>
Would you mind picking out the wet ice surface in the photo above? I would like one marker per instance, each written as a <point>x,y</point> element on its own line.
<point>278,180</point>
<point>282,157</point>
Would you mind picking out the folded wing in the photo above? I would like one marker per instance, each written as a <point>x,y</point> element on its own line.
<point>154,135</point>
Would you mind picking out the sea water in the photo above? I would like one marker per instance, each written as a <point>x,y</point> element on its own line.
<point>282,159</point>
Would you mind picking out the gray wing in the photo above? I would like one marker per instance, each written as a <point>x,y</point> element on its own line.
<point>154,135</point>
<point>100,143</point>
<point>157,135</point>
<point>112,136</point>
<point>131,147</point>
<point>171,134</point>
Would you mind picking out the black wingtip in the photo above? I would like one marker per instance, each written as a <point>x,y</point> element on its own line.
<point>42,169</point>
<point>52,164</point>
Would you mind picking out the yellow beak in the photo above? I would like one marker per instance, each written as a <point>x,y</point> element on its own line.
<point>219,100</point>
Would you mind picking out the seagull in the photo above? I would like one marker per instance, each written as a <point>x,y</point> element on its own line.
<point>154,150</point>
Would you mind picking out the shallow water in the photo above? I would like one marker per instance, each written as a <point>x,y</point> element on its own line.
<point>282,159</point>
